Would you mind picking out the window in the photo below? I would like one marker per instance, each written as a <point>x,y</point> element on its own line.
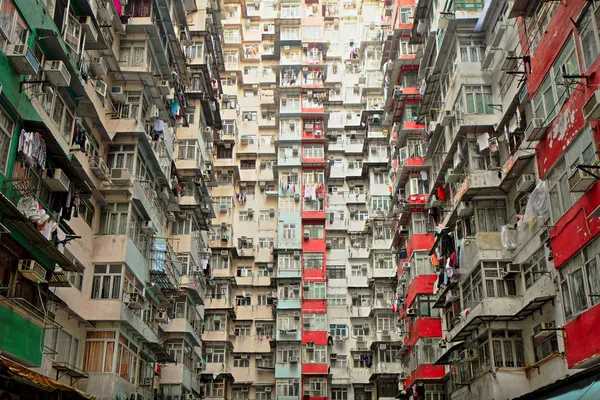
<point>244,216</point>
<point>336,272</point>
<point>337,243</point>
<point>99,351</point>
<point>239,393</point>
<point>315,290</point>
<point>580,280</point>
<point>216,356</point>
<point>244,271</point>
<point>106,283</point>
<point>313,261</point>
<point>13,28</point>
<point>241,361</point>
<point>336,300</point>
<point>86,211</point>
<point>338,330</point>
<point>114,219</point>
<point>478,99</point>
<point>216,322</point>
<point>216,388</point>
<point>7,125</point>
<point>127,355</point>
<point>64,344</point>
<point>339,394</point>
<point>195,50</point>
<point>553,92</point>
<point>265,300</point>
<point>491,215</point>
<point>133,54</point>
<point>535,267</point>
<point>186,149</point>
<point>588,37</point>
<point>314,231</point>
<point>387,354</point>
<point>380,178</point>
<point>380,202</point>
<point>580,151</point>
<point>359,270</point>
<point>507,349</point>
<point>285,353</point>
<point>289,231</point>
<point>316,355</point>
<point>289,291</point>
<point>314,322</point>
<point>288,387</point>
<point>243,300</point>
<point>405,15</point>
<point>471,50</point>
<point>249,116</point>
<point>287,261</point>
<point>315,387</point>
<point>361,330</point>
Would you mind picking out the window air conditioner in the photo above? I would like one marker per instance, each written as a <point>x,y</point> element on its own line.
<point>148,227</point>
<point>163,88</point>
<point>464,209</point>
<point>525,182</point>
<point>544,329</point>
<point>580,181</point>
<point>134,300</point>
<point>56,180</point>
<point>591,109</point>
<point>310,346</point>
<point>293,360</point>
<point>511,270</point>
<point>297,255</point>
<point>536,130</point>
<point>120,176</point>
<point>296,314</point>
<point>452,176</point>
<point>100,87</point>
<point>22,59</point>
<point>411,311</point>
<point>368,389</point>
<point>99,65</point>
<point>447,118</point>
<point>161,317</point>
<point>116,93</point>
<point>32,270</point>
<point>57,73</point>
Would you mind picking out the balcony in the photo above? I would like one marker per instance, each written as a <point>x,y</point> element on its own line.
<point>289,335</point>
<point>289,273</point>
<point>289,370</point>
<point>289,304</point>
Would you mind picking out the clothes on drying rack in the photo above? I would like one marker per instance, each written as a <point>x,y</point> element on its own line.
<point>79,136</point>
<point>31,150</point>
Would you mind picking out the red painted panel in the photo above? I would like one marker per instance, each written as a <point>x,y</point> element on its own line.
<point>574,230</point>
<point>419,241</point>
<point>318,337</point>
<point>314,275</point>
<point>414,162</point>
<point>422,284</point>
<point>581,343</point>
<point>318,369</point>
<point>412,126</point>
<point>314,306</point>
<point>551,42</point>
<point>425,328</point>
<point>313,215</point>
<point>314,245</point>
<point>418,199</point>
<point>426,371</point>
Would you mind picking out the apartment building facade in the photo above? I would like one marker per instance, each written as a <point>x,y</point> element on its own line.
<point>108,113</point>
<point>489,250</point>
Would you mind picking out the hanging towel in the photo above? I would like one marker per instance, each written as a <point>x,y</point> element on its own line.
<point>483,141</point>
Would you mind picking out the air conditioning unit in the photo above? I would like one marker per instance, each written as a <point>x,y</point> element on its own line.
<point>161,317</point>
<point>411,311</point>
<point>223,208</point>
<point>464,209</point>
<point>422,26</point>
<point>224,253</point>
<point>56,180</point>
<point>328,243</point>
<point>120,176</point>
<point>536,130</point>
<point>32,270</point>
<point>525,182</point>
<point>591,109</point>
<point>296,197</point>
<point>385,333</point>
<point>293,360</point>
<point>360,339</point>
<point>134,300</point>
<point>407,265</point>
<point>296,314</point>
<point>544,329</point>
<point>57,73</point>
<point>297,255</point>
<point>244,140</point>
<point>199,366</point>
<point>306,236</point>
<point>271,212</point>
<point>99,65</point>
<point>116,93</point>
<point>353,211</point>
<point>447,118</point>
<point>580,181</point>
<point>99,168</point>
<point>452,176</point>
<point>511,270</point>
<point>268,389</point>
<point>148,227</point>
<point>368,389</point>
<point>310,346</point>
<point>164,88</point>
<point>22,59</point>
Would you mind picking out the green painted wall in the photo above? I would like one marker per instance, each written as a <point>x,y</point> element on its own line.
<point>21,338</point>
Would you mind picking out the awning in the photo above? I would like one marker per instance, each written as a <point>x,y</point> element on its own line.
<point>59,279</point>
<point>159,352</point>
<point>24,375</point>
<point>583,385</point>
<point>446,357</point>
